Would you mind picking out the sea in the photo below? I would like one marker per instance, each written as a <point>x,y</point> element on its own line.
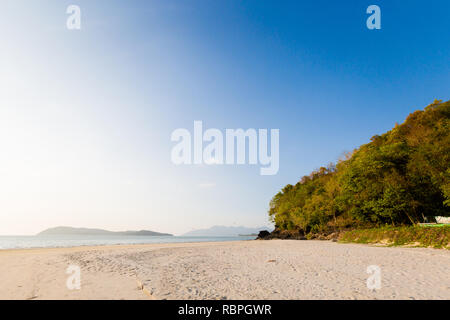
<point>62,241</point>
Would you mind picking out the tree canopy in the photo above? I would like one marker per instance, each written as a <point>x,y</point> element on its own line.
<point>401,177</point>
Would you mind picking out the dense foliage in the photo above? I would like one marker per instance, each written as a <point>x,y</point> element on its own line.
<point>400,178</point>
<point>437,237</point>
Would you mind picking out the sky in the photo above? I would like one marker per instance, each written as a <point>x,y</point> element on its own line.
<point>86,116</point>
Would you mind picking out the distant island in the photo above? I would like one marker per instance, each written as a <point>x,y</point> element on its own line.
<point>224,231</point>
<point>87,231</point>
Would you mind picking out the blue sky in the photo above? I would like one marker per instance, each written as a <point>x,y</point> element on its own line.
<point>86,116</point>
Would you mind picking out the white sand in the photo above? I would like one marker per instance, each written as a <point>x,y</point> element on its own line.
<point>227,270</point>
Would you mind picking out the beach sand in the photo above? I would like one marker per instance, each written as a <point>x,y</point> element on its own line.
<point>276,269</point>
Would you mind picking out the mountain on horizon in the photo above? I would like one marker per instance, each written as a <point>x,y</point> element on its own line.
<point>224,231</point>
<point>88,231</point>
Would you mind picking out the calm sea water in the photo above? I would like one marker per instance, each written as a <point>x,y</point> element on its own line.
<point>17,242</point>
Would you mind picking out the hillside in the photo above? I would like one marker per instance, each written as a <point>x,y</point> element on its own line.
<point>401,177</point>
<point>97,232</point>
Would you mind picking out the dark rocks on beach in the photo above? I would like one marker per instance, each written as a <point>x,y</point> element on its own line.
<point>284,234</point>
<point>296,235</point>
<point>263,234</point>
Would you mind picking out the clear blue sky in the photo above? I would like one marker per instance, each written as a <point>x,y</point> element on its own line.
<point>86,116</point>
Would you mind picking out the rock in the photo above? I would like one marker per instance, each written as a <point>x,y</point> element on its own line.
<point>298,235</point>
<point>263,235</point>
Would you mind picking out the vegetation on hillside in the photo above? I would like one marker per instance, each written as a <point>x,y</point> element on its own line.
<point>436,237</point>
<point>400,178</point>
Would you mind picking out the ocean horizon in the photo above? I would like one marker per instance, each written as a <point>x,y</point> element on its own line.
<point>66,241</point>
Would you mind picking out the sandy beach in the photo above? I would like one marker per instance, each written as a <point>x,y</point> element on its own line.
<point>226,270</point>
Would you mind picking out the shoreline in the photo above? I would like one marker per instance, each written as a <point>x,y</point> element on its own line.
<point>206,243</point>
<point>113,246</point>
<point>101,242</point>
<point>433,236</point>
<point>276,269</point>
